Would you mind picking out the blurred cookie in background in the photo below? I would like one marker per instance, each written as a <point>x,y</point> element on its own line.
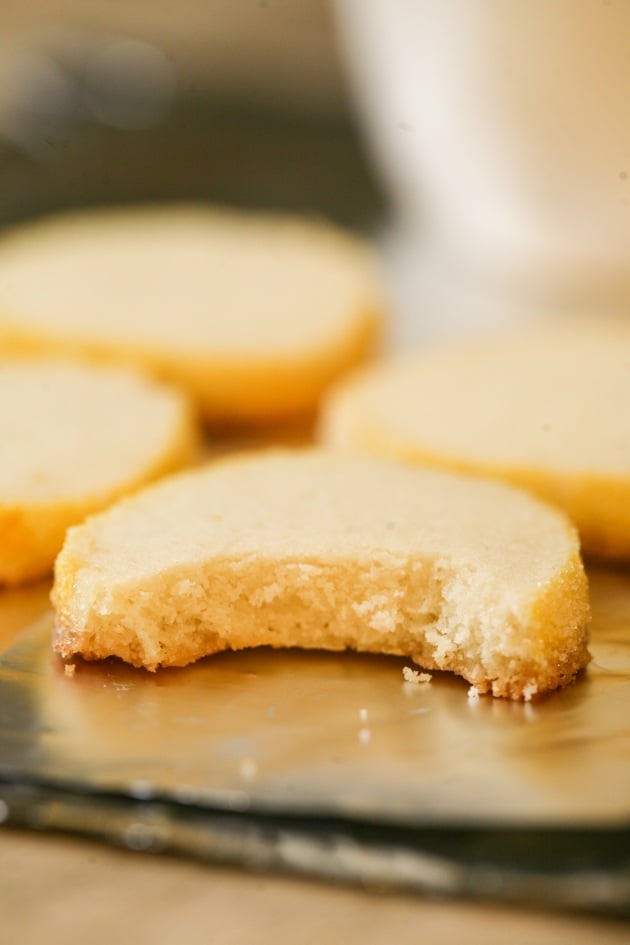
<point>74,438</point>
<point>544,408</point>
<point>255,315</point>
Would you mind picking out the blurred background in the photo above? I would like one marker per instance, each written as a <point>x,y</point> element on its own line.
<point>485,146</point>
<point>240,101</point>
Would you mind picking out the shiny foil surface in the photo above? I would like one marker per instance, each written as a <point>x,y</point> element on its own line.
<point>339,734</point>
<point>331,764</point>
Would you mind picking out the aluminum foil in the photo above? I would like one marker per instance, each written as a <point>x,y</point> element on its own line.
<point>331,764</point>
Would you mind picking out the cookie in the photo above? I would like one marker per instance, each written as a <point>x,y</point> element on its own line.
<point>548,410</point>
<point>255,315</point>
<point>312,549</point>
<point>73,438</point>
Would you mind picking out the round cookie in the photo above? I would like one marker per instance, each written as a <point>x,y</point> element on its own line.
<point>329,551</point>
<point>74,438</point>
<point>254,314</point>
<point>548,410</point>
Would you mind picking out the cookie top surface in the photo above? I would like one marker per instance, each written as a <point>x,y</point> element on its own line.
<point>186,279</point>
<point>554,399</point>
<point>312,505</point>
<point>70,433</point>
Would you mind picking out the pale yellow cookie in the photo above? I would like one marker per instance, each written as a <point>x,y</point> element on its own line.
<point>255,315</point>
<point>314,549</point>
<point>547,409</point>
<point>72,439</point>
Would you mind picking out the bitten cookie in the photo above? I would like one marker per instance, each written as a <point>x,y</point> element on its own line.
<point>312,549</point>
<point>255,315</point>
<point>548,410</point>
<point>72,439</point>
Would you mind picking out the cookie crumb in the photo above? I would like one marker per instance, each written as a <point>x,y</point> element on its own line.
<point>473,694</point>
<point>413,676</point>
<point>69,669</point>
<point>529,690</point>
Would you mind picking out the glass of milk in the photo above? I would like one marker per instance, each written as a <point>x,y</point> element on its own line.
<point>502,128</point>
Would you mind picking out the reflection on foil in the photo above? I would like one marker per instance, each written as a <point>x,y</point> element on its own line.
<point>329,764</point>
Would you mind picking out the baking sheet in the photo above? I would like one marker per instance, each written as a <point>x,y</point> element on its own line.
<point>328,734</point>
